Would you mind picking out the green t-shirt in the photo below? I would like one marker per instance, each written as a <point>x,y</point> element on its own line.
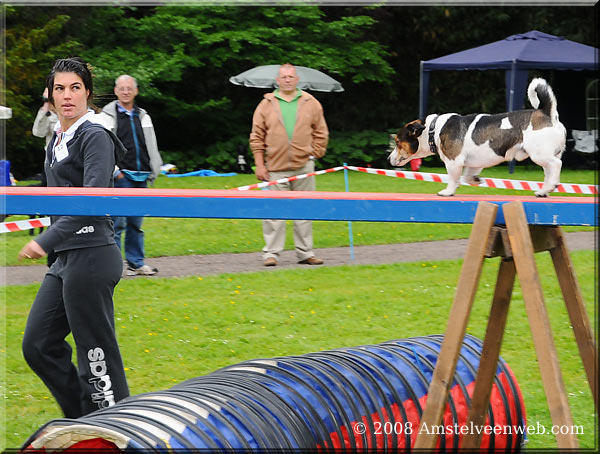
<point>288,112</point>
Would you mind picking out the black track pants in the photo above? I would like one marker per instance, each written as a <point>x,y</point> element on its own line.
<point>77,296</point>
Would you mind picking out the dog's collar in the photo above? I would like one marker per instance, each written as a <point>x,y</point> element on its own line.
<point>432,146</point>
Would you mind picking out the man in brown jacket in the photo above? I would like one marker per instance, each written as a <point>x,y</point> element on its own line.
<point>288,132</point>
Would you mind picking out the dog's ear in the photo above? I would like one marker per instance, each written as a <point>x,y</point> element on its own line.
<point>415,128</point>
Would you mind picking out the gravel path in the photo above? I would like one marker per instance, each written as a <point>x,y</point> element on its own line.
<point>202,265</point>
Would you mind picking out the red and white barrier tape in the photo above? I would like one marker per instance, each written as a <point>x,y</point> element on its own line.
<point>17,226</point>
<point>498,183</point>
<point>285,180</point>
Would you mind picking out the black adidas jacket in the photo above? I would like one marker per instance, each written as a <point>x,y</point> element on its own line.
<point>93,152</point>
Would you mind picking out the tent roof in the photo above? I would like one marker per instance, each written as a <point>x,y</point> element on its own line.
<point>533,49</point>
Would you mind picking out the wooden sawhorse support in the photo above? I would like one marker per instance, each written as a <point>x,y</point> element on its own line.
<point>516,244</point>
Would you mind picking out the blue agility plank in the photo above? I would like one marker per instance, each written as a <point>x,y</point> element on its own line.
<point>323,206</point>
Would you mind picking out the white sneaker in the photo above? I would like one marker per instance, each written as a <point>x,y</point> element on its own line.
<point>143,270</point>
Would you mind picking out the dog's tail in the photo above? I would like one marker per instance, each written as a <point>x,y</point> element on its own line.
<point>542,97</point>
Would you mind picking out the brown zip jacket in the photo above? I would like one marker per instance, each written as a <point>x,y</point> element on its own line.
<point>269,137</point>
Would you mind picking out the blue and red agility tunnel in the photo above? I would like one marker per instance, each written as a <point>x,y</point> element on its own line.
<point>349,399</point>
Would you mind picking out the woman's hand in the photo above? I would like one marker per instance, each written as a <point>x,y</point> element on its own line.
<point>31,250</point>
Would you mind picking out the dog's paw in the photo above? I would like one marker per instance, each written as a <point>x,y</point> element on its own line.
<point>474,180</point>
<point>446,193</point>
<point>541,194</point>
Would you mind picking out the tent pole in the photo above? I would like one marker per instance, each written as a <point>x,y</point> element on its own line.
<point>421,94</point>
<point>511,93</point>
<point>511,105</point>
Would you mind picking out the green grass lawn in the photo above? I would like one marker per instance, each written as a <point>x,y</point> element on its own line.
<point>174,329</point>
<point>185,236</point>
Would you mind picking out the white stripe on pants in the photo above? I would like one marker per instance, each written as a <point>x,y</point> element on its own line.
<point>274,230</point>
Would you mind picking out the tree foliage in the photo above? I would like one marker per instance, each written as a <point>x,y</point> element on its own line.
<point>183,56</point>
<point>29,42</point>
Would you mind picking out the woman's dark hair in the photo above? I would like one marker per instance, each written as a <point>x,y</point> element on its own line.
<point>71,65</point>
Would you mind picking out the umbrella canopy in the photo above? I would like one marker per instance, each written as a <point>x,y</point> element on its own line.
<point>264,77</point>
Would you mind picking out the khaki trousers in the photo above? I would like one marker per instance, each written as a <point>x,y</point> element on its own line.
<point>274,230</point>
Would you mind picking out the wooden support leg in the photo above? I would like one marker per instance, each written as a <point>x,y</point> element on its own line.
<point>488,364</point>
<point>523,254</point>
<point>445,367</point>
<point>576,309</point>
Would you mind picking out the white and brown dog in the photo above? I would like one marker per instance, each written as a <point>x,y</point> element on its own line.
<point>477,141</point>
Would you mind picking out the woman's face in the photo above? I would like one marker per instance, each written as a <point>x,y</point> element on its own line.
<point>70,96</point>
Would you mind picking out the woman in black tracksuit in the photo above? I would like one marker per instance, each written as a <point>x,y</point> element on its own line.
<point>76,295</point>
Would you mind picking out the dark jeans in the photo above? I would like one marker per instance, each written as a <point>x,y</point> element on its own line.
<point>132,225</point>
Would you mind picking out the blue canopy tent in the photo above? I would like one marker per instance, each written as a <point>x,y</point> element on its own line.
<point>516,55</point>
